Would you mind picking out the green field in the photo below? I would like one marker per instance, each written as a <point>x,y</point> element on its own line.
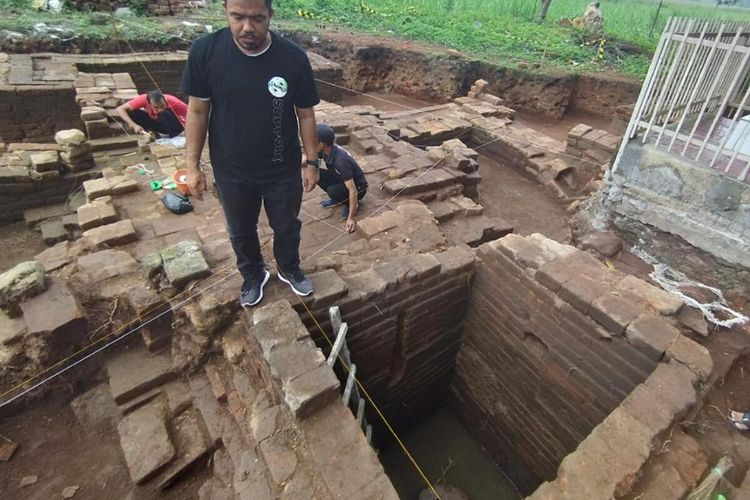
<point>499,31</point>
<point>506,31</point>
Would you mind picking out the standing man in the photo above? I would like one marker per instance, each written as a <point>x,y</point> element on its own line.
<point>248,87</point>
<point>342,179</point>
<point>154,113</point>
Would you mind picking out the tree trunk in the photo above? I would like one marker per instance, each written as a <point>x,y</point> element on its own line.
<point>544,9</point>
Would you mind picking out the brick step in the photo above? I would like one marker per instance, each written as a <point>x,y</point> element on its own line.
<point>113,143</point>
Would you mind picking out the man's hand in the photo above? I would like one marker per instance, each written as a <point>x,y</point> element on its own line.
<point>137,129</point>
<point>351,225</point>
<point>310,178</point>
<point>196,181</point>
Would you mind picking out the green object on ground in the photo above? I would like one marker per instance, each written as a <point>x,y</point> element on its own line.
<point>156,185</point>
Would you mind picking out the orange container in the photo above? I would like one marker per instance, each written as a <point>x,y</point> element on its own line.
<point>180,180</point>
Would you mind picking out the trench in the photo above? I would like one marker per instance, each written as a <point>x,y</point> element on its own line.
<point>493,406</point>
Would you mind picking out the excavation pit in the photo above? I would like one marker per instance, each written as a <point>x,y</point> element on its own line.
<point>535,356</point>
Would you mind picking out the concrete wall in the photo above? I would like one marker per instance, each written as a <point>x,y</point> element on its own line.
<point>707,210</point>
<point>553,342</point>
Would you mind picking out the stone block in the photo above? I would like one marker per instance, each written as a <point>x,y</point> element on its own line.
<point>152,264</point>
<point>275,325</point>
<point>661,301</point>
<point>365,285</point>
<point>614,313</point>
<point>56,257</point>
<point>290,361</point>
<point>466,206</point>
<point>145,441</point>
<point>190,445</point>
<point>407,268</point>
<point>372,226</point>
<point>123,185</point>
<point>280,458</point>
<point>329,288</point>
<point>184,262</point>
<point>263,423</point>
<point>581,291</point>
<point>71,137</point>
<point>606,243</point>
<point>693,320</point>
<point>96,188</point>
<point>312,391</point>
<point>579,130</point>
<point>691,354</point>
<point>117,233</point>
<point>456,259</point>
<point>651,334</point>
<point>135,372</point>
<point>645,404</point>
<point>55,313</point>
<point>555,273</point>
<point>45,161</point>
<point>674,383</point>
<point>20,282</point>
<point>106,264</point>
<point>53,231</point>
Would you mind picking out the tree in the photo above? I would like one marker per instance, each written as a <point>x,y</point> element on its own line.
<point>544,9</point>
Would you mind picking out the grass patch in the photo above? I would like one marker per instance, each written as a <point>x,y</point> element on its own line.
<point>506,31</point>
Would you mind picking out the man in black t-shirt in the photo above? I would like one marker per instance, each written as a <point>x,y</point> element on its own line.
<point>247,87</point>
<point>342,179</point>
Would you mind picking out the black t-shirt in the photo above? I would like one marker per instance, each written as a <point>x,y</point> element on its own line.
<point>341,163</point>
<point>253,129</point>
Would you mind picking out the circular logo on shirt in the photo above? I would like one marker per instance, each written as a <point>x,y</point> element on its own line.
<point>277,86</point>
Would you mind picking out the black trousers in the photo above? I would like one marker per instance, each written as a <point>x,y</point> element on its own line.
<point>334,186</point>
<point>167,122</point>
<point>282,199</point>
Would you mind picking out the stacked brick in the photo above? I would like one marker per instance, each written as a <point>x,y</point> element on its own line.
<point>591,144</point>
<point>99,94</point>
<point>33,175</point>
<point>75,150</point>
<point>562,341</point>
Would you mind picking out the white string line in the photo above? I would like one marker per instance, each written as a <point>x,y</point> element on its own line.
<point>113,342</point>
<point>344,233</point>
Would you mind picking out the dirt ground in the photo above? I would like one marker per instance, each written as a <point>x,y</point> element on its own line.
<point>54,447</point>
<point>18,244</point>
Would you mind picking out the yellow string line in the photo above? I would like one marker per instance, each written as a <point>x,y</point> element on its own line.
<point>372,402</point>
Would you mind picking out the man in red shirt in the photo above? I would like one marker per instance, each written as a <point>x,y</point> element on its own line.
<point>155,112</point>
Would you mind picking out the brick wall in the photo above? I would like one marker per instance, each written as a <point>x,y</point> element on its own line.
<point>536,372</point>
<point>404,318</point>
<point>34,114</point>
<point>166,70</point>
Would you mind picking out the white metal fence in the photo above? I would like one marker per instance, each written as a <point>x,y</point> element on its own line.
<point>694,101</point>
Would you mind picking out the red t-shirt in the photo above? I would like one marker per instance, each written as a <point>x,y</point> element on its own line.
<point>178,107</point>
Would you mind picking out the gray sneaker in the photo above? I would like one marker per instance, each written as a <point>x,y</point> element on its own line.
<point>252,289</point>
<point>299,283</point>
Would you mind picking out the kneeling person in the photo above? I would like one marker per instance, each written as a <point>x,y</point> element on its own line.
<point>155,113</point>
<point>342,179</point>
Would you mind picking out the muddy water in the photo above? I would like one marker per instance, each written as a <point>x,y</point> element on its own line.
<point>447,454</point>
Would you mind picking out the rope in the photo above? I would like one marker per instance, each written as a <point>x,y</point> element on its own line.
<point>100,349</point>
